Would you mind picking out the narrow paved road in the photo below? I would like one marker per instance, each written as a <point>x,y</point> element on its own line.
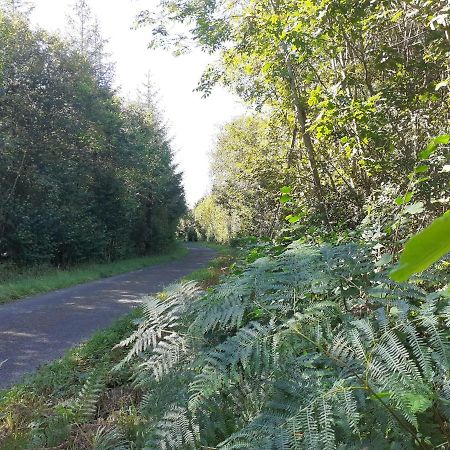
<point>39,329</point>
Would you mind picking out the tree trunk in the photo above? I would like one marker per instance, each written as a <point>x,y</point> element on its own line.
<point>306,137</point>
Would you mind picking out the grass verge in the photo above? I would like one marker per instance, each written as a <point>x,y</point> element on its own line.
<point>32,413</point>
<point>18,283</point>
<point>209,276</point>
<point>36,414</point>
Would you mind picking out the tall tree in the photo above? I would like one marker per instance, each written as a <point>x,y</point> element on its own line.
<point>85,35</point>
<point>82,175</point>
<point>22,7</point>
<point>362,85</point>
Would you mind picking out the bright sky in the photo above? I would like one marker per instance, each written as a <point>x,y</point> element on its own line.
<point>193,121</point>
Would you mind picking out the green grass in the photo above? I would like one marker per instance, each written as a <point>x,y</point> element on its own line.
<point>35,406</point>
<point>34,401</point>
<point>208,276</point>
<point>17,283</point>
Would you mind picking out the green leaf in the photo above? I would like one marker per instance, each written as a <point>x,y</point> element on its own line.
<point>286,190</point>
<point>293,219</point>
<point>386,258</point>
<point>424,248</point>
<point>380,395</point>
<point>285,198</point>
<point>432,146</point>
<point>394,311</point>
<point>396,17</point>
<point>442,139</point>
<point>266,67</point>
<point>404,199</point>
<point>258,312</point>
<point>417,403</point>
<point>421,169</point>
<point>441,85</point>
<point>415,208</point>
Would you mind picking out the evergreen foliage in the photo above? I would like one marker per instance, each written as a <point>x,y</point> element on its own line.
<point>85,405</point>
<point>109,439</point>
<point>83,174</point>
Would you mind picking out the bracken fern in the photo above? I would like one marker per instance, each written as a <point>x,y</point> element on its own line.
<point>311,349</point>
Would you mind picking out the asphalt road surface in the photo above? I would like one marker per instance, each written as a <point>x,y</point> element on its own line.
<point>37,330</point>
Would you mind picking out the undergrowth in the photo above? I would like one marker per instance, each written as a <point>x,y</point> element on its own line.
<point>79,402</point>
<point>310,347</point>
<point>313,348</point>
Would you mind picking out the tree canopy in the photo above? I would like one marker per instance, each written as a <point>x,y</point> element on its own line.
<point>83,174</point>
<point>358,88</point>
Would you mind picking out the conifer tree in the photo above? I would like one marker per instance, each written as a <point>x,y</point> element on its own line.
<point>85,35</point>
<point>22,7</point>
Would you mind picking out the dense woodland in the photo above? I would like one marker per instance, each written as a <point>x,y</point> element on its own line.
<point>331,328</point>
<point>345,96</point>
<point>84,175</point>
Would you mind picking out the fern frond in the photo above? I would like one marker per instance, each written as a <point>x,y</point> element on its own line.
<point>165,355</point>
<point>205,385</point>
<point>350,409</point>
<point>419,349</point>
<point>430,321</point>
<point>279,358</point>
<point>304,428</point>
<point>326,422</point>
<point>175,431</point>
<point>250,349</point>
<point>228,312</point>
<point>396,357</point>
<point>85,406</point>
<point>158,332</point>
<point>341,349</point>
<point>109,439</point>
